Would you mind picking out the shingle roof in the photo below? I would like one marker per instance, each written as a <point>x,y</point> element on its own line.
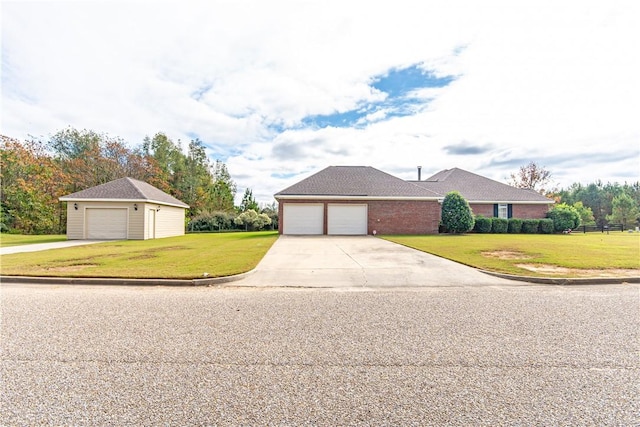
<point>478,188</point>
<point>355,181</point>
<point>126,189</point>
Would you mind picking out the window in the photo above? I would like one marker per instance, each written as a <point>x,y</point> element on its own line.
<point>503,211</point>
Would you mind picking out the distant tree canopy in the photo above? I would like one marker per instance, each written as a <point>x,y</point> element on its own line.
<point>36,173</point>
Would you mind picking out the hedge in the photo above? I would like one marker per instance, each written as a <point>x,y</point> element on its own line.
<point>546,226</point>
<point>530,226</point>
<point>483,224</point>
<point>515,225</point>
<point>499,225</point>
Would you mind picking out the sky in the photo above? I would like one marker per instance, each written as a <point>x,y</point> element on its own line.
<point>279,90</point>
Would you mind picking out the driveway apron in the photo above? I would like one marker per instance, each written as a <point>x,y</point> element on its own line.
<point>358,261</point>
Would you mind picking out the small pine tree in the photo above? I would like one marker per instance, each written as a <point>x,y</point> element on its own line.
<point>457,216</point>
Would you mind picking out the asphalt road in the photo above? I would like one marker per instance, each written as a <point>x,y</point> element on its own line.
<point>489,355</point>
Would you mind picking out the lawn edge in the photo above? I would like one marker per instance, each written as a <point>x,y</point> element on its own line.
<point>50,280</point>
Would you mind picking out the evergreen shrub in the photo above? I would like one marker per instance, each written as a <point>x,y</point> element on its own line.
<point>499,225</point>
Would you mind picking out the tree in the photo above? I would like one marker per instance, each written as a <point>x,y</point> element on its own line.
<point>564,217</point>
<point>31,184</point>
<point>223,191</point>
<point>248,201</point>
<point>532,177</point>
<point>624,210</point>
<point>272,212</point>
<point>457,216</point>
<point>252,220</point>
<point>586,215</point>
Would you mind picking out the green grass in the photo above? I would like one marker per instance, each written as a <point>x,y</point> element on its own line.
<point>7,240</point>
<point>504,253</point>
<point>183,257</point>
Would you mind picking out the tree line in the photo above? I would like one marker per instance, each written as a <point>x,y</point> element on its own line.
<point>34,173</point>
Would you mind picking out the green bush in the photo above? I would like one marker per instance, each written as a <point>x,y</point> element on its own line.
<point>546,226</point>
<point>515,225</point>
<point>457,216</point>
<point>483,224</point>
<point>530,226</point>
<point>564,217</point>
<point>211,221</point>
<point>499,225</point>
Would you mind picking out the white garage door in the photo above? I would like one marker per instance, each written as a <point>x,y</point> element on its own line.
<point>303,218</point>
<point>108,224</point>
<point>347,219</point>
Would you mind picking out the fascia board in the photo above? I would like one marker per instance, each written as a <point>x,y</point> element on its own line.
<point>74,199</point>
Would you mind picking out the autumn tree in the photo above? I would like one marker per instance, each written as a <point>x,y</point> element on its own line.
<point>31,184</point>
<point>533,177</point>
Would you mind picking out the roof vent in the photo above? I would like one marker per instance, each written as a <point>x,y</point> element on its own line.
<point>419,173</point>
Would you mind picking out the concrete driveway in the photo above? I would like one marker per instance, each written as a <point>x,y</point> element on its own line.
<point>358,261</point>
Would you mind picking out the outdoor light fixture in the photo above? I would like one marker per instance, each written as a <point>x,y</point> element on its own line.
<point>135,206</point>
<point>158,209</point>
<point>75,206</point>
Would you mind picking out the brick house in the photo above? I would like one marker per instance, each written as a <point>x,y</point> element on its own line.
<point>359,200</point>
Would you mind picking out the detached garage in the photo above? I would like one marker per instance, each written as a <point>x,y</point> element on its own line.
<point>123,209</point>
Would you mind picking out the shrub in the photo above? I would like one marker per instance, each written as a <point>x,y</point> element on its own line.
<point>208,221</point>
<point>564,217</point>
<point>546,226</point>
<point>483,224</point>
<point>457,216</point>
<point>515,225</point>
<point>530,226</point>
<point>499,225</point>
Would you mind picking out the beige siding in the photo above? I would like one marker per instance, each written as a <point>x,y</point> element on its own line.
<point>169,222</point>
<point>136,221</point>
<point>75,221</point>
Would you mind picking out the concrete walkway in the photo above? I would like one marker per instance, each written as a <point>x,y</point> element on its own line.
<point>359,261</point>
<point>46,246</point>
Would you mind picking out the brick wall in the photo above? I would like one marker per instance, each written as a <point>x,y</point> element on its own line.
<point>387,216</point>
<point>519,211</point>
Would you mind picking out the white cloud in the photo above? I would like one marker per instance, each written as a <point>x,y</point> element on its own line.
<point>535,82</point>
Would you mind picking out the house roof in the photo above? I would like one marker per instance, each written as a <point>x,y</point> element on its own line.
<point>368,182</point>
<point>355,182</point>
<point>476,188</point>
<point>125,189</point>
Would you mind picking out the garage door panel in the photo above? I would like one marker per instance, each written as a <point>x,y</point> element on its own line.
<point>106,224</point>
<point>303,218</point>
<point>347,219</point>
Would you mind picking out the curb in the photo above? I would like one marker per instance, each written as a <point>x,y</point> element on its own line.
<point>567,280</point>
<point>213,281</point>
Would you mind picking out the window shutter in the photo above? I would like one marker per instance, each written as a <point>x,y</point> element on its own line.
<point>509,210</point>
<point>495,210</point>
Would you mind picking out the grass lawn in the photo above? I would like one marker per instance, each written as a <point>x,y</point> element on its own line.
<point>183,257</point>
<point>7,240</point>
<point>565,255</point>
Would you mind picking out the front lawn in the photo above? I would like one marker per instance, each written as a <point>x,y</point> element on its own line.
<point>183,257</point>
<point>566,255</point>
<point>7,240</point>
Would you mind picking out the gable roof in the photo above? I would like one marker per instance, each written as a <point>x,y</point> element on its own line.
<point>476,188</point>
<point>355,182</point>
<point>125,189</point>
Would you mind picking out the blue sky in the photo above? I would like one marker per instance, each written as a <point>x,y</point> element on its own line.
<point>293,87</point>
